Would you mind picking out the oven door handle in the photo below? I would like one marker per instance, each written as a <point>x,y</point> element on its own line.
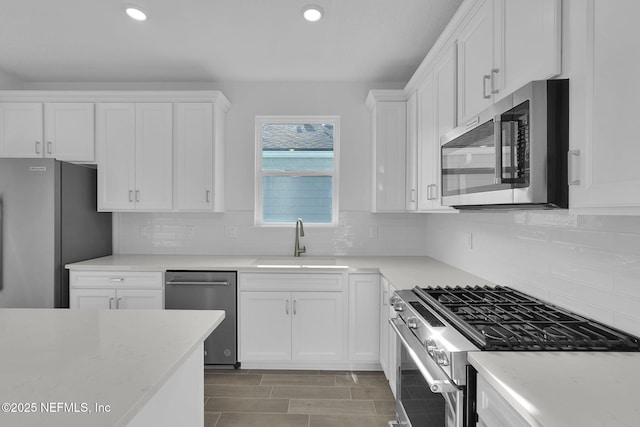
<point>431,371</point>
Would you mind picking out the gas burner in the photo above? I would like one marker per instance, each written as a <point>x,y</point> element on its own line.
<point>501,318</point>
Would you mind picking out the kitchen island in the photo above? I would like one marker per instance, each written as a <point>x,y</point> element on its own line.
<point>103,367</point>
<point>563,389</point>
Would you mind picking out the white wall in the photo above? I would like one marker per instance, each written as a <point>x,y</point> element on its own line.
<point>589,264</point>
<point>359,233</point>
<point>8,81</point>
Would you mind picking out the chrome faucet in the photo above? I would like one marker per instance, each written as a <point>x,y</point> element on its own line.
<point>297,250</point>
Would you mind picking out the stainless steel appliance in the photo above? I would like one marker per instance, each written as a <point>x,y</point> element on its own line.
<point>48,218</point>
<point>438,326</point>
<point>513,153</point>
<point>208,290</point>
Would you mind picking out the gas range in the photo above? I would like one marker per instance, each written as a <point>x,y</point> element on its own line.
<point>437,326</point>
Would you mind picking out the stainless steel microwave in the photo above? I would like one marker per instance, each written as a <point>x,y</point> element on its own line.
<point>513,154</point>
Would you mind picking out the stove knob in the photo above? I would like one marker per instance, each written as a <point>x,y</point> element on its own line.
<point>393,300</point>
<point>430,344</point>
<point>441,357</point>
<point>398,306</point>
<point>412,323</point>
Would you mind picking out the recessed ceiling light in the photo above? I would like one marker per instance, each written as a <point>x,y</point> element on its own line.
<point>136,13</point>
<point>312,13</point>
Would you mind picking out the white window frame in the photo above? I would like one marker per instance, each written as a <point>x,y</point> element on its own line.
<point>259,173</point>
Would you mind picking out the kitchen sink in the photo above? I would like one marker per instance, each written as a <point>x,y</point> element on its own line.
<point>298,262</point>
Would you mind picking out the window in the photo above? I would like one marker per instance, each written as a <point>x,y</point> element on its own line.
<point>296,170</point>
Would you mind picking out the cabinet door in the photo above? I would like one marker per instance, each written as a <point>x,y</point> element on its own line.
<point>603,101</point>
<point>428,144</point>
<point>116,138</point>
<point>69,132</point>
<point>476,62</point>
<point>494,410</point>
<point>21,129</point>
<point>317,326</point>
<point>390,156</point>
<point>531,34</point>
<point>154,154</point>
<point>265,326</point>
<point>193,156</point>
<point>393,349</point>
<point>92,298</point>
<point>412,153</point>
<point>127,299</point>
<point>384,326</point>
<point>364,320</point>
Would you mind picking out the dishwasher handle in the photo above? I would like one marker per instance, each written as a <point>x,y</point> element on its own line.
<point>198,283</point>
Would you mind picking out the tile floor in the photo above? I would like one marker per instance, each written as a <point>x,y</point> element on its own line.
<point>275,398</point>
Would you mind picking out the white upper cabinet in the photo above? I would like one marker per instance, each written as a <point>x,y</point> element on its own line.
<point>412,153</point>
<point>69,131</point>
<point>135,156</point>
<point>198,157</point>
<point>64,130</point>
<point>436,116</point>
<point>21,129</point>
<point>503,45</point>
<point>477,68</point>
<point>532,42</point>
<point>389,115</point>
<point>602,67</point>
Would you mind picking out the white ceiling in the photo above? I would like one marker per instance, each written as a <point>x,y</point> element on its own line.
<point>218,40</point>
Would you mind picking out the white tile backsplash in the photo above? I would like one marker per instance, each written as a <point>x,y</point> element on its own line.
<point>208,234</point>
<point>588,264</point>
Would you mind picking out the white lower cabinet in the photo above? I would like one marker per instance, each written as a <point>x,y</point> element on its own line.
<point>287,318</point>
<point>388,350</point>
<point>364,317</point>
<point>493,410</point>
<point>115,290</point>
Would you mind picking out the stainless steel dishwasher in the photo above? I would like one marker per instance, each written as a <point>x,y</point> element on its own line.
<point>208,290</point>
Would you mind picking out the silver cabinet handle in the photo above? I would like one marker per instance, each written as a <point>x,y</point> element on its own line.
<point>572,157</point>
<point>49,147</point>
<point>413,195</point>
<point>116,279</point>
<point>37,147</point>
<point>286,306</point>
<point>130,196</point>
<point>110,302</point>
<point>494,71</point>
<point>137,195</point>
<point>294,307</point>
<point>384,298</point>
<point>207,196</point>
<point>485,78</point>
<point>118,303</point>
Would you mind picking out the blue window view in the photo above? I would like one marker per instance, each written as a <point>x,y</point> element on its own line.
<point>298,165</point>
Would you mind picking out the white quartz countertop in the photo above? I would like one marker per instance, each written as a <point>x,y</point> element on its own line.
<point>118,358</point>
<point>403,272</point>
<point>566,389</point>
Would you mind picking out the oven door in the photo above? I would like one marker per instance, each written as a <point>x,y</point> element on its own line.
<point>426,396</point>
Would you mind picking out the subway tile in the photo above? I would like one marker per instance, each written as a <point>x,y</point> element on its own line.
<point>241,404</point>
<point>592,239</point>
<point>627,242</point>
<point>627,322</point>
<point>627,283</point>
<point>332,407</point>
<point>602,279</point>
<point>263,420</point>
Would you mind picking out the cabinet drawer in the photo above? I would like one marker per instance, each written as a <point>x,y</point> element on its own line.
<point>116,279</point>
<point>290,282</point>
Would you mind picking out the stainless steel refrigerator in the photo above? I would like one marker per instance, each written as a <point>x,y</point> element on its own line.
<point>48,218</point>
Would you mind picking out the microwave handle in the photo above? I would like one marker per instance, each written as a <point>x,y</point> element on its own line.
<point>497,135</point>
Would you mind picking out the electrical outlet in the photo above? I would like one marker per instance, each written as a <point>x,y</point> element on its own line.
<point>230,231</point>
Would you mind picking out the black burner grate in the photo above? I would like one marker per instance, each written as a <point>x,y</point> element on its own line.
<point>501,318</point>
